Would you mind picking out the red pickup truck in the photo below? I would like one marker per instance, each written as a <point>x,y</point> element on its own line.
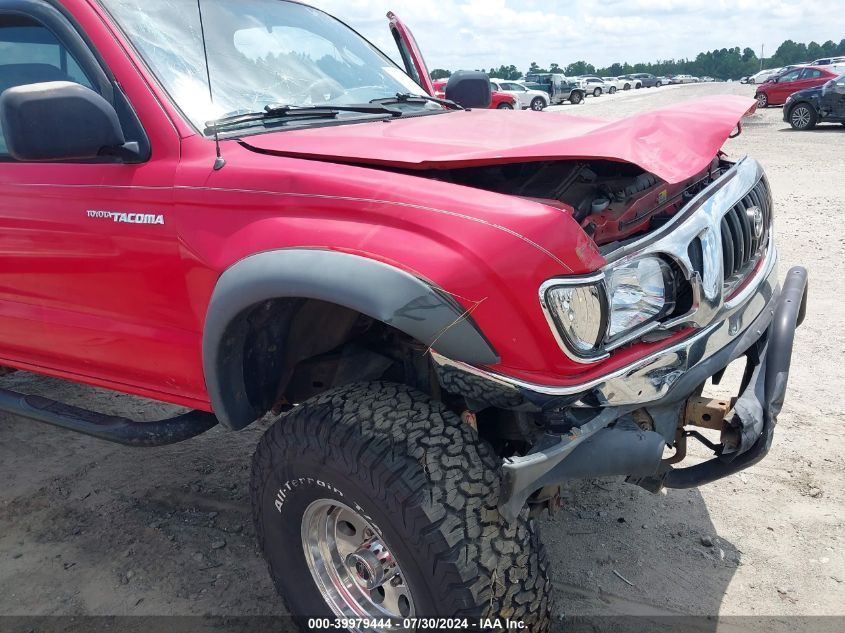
<point>244,208</point>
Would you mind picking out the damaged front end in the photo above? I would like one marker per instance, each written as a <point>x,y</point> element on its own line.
<point>728,306</point>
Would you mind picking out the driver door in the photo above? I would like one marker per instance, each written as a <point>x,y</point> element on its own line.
<point>785,86</point>
<point>833,100</point>
<point>412,58</point>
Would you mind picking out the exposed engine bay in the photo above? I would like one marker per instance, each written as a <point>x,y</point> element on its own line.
<point>612,201</point>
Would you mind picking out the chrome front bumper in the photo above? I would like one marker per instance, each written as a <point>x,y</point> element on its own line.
<point>611,443</point>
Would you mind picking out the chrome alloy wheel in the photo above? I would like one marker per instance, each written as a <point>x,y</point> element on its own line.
<point>801,117</point>
<point>353,568</point>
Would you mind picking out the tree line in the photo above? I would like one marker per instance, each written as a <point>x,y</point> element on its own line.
<point>724,63</point>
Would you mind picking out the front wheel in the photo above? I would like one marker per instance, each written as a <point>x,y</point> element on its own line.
<point>612,90</point>
<point>504,106</point>
<point>762,100</point>
<point>538,103</point>
<point>802,116</point>
<point>626,87</point>
<point>374,501</point>
<point>575,98</point>
<point>597,92</point>
<point>658,84</point>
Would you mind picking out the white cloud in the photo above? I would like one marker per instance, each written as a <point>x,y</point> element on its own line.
<point>483,33</point>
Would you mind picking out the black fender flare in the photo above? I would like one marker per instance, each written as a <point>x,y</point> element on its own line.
<point>397,298</point>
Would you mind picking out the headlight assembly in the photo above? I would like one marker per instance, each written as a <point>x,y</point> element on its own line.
<point>592,315</point>
<point>640,291</point>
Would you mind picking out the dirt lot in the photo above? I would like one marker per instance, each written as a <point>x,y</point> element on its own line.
<point>91,528</point>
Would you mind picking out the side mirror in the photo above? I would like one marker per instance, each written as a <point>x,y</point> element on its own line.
<point>58,120</point>
<point>470,89</point>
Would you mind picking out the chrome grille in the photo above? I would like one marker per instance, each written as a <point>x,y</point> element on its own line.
<point>742,246</point>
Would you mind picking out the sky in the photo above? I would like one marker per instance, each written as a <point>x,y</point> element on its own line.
<point>474,34</point>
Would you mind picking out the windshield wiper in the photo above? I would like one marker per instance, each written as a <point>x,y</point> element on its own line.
<point>405,97</point>
<point>288,111</point>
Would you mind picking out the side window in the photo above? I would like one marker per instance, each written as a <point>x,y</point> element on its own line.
<point>30,53</point>
<point>811,73</point>
<point>791,76</point>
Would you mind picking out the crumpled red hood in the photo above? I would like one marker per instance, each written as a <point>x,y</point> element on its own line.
<point>673,143</point>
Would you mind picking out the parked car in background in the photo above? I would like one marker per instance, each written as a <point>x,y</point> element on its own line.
<point>559,87</point>
<point>525,97</point>
<point>707,79</point>
<point>499,101</point>
<point>647,80</point>
<point>763,75</point>
<point>629,82</point>
<point>613,84</point>
<point>592,85</point>
<point>776,92</point>
<point>825,103</point>
<point>643,80</point>
<point>745,79</point>
<point>826,61</point>
<point>684,79</point>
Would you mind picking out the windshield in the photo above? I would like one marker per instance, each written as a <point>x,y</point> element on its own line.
<point>260,52</point>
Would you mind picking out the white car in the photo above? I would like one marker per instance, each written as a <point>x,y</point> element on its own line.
<point>525,97</point>
<point>763,75</point>
<point>613,84</point>
<point>827,61</point>
<point>592,85</point>
<point>683,79</point>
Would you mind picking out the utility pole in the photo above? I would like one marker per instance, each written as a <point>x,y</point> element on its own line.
<point>762,55</point>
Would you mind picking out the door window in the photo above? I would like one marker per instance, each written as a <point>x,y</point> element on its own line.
<point>811,73</point>
<point>30,53</point>
<point>790,76</point>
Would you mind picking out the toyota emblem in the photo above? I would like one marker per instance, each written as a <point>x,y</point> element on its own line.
<point>755,214</point>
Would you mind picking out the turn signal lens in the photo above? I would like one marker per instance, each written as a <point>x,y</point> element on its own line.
<point>578,313</point>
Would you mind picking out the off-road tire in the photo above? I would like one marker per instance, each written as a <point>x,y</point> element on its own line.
<point>427,481</point>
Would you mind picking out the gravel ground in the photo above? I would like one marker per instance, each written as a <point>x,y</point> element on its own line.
<point>91,528</point>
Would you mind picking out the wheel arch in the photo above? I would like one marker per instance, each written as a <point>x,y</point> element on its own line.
<point>358,284</point>
<point>812,107</point>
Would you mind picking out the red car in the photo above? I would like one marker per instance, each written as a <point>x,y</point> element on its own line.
<point>499,101</point>
<point>439,313</point>
<point>777,90</point>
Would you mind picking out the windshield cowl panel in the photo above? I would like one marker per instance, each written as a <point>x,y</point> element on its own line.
<point>260,53</point>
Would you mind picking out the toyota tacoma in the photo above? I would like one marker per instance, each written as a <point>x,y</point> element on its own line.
<point>442,312</point>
